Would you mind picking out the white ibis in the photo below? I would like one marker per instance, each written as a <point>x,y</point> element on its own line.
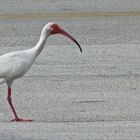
<point>15,64</point>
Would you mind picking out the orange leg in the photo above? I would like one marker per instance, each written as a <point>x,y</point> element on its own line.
<point>17,119</point>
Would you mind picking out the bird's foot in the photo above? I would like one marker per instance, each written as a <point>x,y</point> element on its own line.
<point>21,120</point>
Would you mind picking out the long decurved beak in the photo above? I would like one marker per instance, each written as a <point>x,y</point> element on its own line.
<point>70,37</point>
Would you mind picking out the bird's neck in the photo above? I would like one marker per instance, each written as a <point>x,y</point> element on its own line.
<point>41,43</point>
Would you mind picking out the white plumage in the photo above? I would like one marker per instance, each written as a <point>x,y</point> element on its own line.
<point>15,64</point>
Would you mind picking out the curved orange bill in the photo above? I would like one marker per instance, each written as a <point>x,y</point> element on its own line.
<point>70,37</point>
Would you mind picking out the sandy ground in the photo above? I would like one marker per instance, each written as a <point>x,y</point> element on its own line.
<point>69,95</point>
<point>71,131</point>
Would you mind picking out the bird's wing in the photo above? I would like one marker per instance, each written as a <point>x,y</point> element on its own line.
<point>5,66</point>
<point>14,64</point>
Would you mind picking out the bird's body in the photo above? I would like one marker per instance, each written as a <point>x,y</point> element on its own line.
<point>15,64</point>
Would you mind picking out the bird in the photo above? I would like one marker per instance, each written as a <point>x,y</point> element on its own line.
<point>14,65</point>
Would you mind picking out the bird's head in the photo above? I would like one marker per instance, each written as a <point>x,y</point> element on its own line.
<point>54,28</point>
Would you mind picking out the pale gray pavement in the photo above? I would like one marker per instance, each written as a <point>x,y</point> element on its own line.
<point>94,95</point>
